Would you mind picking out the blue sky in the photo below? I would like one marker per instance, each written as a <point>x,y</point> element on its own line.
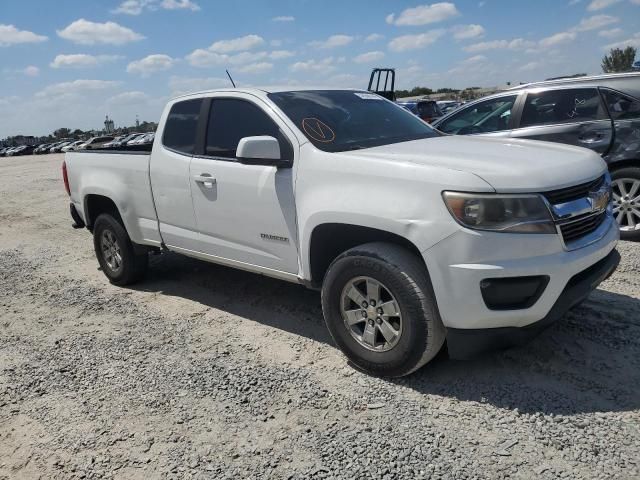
<point>68,63</point>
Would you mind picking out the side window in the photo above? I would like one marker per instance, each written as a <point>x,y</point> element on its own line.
<point>489,116</point>
<point>230,120</point>
<point>621,107</point>
<point>569,105</point>
<point>180,128</point>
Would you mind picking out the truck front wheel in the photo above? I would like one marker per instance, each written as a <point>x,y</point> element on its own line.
<point>121,261</point>
<point>380,309</point>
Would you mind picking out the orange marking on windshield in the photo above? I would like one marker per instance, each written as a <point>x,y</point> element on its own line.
<point>318,130</point>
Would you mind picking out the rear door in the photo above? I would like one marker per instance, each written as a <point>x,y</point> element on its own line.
<point>170,178</point>
<point>625,115</point>
<point>575,116</point>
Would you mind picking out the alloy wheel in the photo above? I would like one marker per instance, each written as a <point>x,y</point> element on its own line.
<point>111,251</point>
<point>626,203</point>
<point>371,314</point>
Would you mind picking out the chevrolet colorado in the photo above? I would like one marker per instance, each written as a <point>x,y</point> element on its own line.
<point>412,236</point>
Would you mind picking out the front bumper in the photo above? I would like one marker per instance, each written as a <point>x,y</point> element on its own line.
<point>458,264</point>
<point>466,343</point>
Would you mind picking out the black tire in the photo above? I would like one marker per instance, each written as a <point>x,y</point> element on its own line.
<point>133,258</point>
<point>406,278</point>
<point>634,174</point>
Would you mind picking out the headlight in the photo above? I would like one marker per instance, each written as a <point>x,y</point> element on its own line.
<point>500,213</point>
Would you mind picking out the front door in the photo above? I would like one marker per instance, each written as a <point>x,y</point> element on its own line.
<point>245,213</point>
<point>575,116</point>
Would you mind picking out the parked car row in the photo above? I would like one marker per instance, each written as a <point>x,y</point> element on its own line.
<point>430,110</point>
<point>15,151</point>
<point>136,140</point>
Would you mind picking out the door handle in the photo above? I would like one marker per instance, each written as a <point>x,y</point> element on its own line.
<point>593,137</point>
<point>205,179</point>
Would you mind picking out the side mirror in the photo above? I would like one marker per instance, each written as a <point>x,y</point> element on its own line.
<point>261,150</point>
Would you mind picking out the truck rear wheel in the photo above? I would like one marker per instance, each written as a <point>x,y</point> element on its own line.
<point>121,261</point>
<point>380,309</point>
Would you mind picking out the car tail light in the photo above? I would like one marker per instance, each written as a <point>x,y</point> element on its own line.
<point>65,178</point>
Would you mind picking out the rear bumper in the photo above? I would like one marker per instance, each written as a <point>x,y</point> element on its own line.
<point>465,343</point>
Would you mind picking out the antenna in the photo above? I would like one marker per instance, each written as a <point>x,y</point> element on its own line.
<point>232,82</point>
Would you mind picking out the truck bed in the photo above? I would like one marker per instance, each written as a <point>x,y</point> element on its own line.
<point>98,173</point>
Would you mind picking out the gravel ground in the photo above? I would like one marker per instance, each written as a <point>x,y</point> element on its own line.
<point>208,372</point>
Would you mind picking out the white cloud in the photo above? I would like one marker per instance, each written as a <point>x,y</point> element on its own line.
<point>374,37</point>
<point>527,67</point>
<point>424,14</point>
<point>90,33</point>
<point>183,85</point>
<point>136,7</point>
<point>6,101</point>
<point>129,98</point>
<point>465,32</point>
<point>595,22</point>
<point>325,65</point>
<point>81,60</point>
<point>10,35</point>
<point>280,54</point>
<point>574,2</point>
<point>31,71</point>
<point>247,42</point>
<point>284,18</point>
<point>344,80</point>
<point>469,63</point>
<point>333,41</point>
<point>254,68</point>
<point>614,32</point>
<point>600,4</point>
<point>515,44</point>
<point>633,41</point>
<point>205,58</point>
<point>180,5</point>
<point>369,57</point>
<point>557,39</point>
<point>150,64</point>
<point>412,42</point>
<point>132,7</point>
<point>76,87</point>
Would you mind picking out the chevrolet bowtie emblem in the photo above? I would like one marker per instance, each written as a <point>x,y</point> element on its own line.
<point>599,200</point>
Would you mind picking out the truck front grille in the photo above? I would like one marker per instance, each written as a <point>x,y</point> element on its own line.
<point>577,229</point>
<point>563,195</point>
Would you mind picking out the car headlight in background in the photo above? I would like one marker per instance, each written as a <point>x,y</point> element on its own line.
<point>500,213</point>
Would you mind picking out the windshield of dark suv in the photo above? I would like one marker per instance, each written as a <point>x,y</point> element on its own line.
<point>342,120</point>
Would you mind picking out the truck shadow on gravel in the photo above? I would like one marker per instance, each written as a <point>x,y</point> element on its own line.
<point>589,361</point>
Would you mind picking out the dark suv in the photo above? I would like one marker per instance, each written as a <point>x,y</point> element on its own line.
<point>601,113</point>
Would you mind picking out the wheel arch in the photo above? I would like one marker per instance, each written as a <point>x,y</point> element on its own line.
<point>328,240</point>
<point>95,204</point>
<point>627,162</point>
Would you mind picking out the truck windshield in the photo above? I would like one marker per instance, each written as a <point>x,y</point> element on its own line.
<point>341,120</point>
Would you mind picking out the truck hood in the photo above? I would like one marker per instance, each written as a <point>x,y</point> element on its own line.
<point>508,165</point>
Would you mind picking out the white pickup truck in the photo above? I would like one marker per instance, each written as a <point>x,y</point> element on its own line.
<point>413,236</point>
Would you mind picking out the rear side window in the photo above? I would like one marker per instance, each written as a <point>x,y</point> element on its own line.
<point>180,128</point>
<point>230,120</point>
<point>621,107</point>
<point>562,106</point>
